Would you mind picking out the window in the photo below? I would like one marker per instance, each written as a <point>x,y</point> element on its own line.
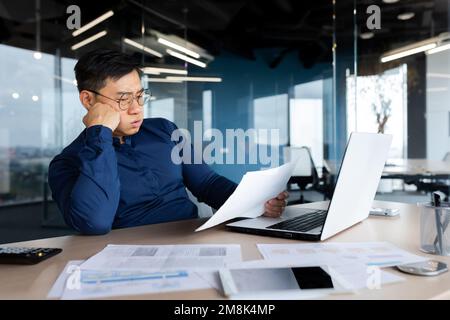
<point>207,113</point>
<point>306,119</point>
<point>271,113</point>
<point>163,108</point>
<point>380,106</point>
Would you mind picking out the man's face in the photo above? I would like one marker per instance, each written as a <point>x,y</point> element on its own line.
<point>131,119</point>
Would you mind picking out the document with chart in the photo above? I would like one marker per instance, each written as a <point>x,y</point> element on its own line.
<point>74,283</point>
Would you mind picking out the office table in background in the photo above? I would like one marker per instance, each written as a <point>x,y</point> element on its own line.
<point>34,282</point>
<point>422,168</point>
<point>407,168</point>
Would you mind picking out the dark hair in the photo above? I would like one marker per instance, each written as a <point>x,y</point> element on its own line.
<point>95,67</point>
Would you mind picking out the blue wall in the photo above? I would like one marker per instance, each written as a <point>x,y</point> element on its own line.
<point>242,81</point>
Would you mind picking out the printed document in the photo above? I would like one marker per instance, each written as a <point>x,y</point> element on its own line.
<point>164,257</point>
<point>380,254</point>
<point>74,283</point>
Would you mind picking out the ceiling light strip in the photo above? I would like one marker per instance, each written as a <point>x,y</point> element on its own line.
<point>186,58</point>
<point>88,40</point>
<point>405,53</point>
<point>142,47</point>
<point>93,23</point>
<point>157,70</point>
<point>178,47</point>
<point>163,80</point>
<point>439,49</point>
<point>200,79</point>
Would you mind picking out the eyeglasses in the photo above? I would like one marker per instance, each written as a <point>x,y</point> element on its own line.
<point>126,99</point>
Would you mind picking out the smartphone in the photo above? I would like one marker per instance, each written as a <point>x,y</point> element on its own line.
<point>257,280</point>
<point>424,268</point>
<point>384,212</point>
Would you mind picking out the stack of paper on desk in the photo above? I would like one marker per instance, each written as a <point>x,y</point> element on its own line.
<point>121,270</point>
<point>255,188</point>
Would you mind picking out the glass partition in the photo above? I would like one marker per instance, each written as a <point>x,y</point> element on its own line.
<point>250,81</point>
<point>401,89</point>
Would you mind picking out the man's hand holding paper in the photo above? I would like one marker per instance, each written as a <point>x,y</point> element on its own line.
<point>275,207</point>
<point>250,199</point>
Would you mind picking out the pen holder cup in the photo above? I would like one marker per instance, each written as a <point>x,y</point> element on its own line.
<point>435,228</point>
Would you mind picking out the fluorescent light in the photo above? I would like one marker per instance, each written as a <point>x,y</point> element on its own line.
<point>438,75</point>
<point>390,1</point>
<point>404,53</point>
<point>163,80</point>
<point>35,98</point>
<point>15,95</point>
<point>439,49</point>
<point>88,40</point>
<point>155,73</point>
<point>156,70</point>
<point>367,35</point>
<point>66,80</point>
<point>142,47</point>
<point>37,55</point>
<point>186,58</point>
<point>201,79</point>
<point>437,89</point>
<point>94,22</point>
<point>178,47</point>
<point>406,16</point>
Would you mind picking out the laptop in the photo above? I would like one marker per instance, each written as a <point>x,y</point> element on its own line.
<point>356,186</point>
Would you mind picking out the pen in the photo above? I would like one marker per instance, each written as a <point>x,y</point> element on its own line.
<point>437,203</point>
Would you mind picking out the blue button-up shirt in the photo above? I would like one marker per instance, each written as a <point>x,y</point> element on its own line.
<point>99,183</point>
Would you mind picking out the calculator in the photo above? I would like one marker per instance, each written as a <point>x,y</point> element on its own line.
<point>20,255</point>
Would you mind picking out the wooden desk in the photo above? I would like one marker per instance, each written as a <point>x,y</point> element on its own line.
<point>34,282</point>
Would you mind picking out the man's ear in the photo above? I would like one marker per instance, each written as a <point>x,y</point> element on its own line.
<point>86,99</point>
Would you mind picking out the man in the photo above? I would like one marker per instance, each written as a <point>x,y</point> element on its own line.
<point>118,172</point>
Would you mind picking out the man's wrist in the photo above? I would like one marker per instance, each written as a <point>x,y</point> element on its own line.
<point>99,133</point>
<point>99,123</point>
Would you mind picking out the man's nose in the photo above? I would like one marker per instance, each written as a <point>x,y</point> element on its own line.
<point>134,107</point>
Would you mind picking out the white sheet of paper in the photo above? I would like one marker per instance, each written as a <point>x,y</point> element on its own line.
<point>379,254</point>
<point>164,257</point>
<point>255,188</point>
<point>58,287</point>
<point>356,277</point>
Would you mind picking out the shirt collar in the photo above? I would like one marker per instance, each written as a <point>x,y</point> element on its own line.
<point>126,139</point>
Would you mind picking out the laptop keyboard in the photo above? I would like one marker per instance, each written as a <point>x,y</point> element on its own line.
<point>302,223</point>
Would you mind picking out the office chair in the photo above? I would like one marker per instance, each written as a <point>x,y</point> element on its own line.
<point>204,211</point>
<point>431,185</point>
<point>305,172</point>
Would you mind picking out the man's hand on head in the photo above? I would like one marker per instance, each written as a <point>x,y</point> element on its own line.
<point>102,114</point>
<point>275,207</point>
